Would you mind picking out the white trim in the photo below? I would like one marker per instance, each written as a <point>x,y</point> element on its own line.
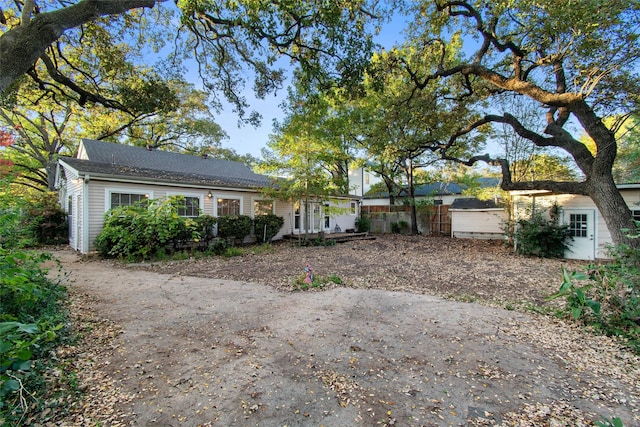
<point>85,215</point>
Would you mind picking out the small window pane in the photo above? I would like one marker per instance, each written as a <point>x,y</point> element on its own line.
<point>578,225</point>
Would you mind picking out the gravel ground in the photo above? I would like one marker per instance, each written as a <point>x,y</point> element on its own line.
<point>229,341</point>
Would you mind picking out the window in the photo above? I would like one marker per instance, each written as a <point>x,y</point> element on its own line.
<point>366,178</point>
<point>262,207</point>
<point>126,199</point>
<point>192,207</point>
<point>635,215</point>
<point>227,207</point>
<point>326,216</point>
<point>296,216</point>
<point>578,225</point>
<point>354,208</point>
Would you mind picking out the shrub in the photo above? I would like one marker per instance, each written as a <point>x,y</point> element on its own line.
<point>542,238</point>
<point>32,319</point>
<point>144,230</point>
<point>267,226</point>
<point>234,226</point>
<point>607,296</point>
<point>363,224</point>
<point>205,225</point>
<point>32,221</point>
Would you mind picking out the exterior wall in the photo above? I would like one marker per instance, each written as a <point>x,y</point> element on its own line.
<point>477,223</point>
<point>99,202</point>
<point>361,180</point>
<point>570,201</point>
<point>345,219</point>
<point>343,212</point>
<point>70,200</point>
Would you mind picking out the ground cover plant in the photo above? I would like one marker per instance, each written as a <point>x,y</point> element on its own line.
<point>33,322</point>
<point>606,295</point>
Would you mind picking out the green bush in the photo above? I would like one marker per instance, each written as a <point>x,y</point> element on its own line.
<point>267,226</point>
<point>607,295</point>
<point>32,221</point>
<point>32,320</point>
<point>205,225</point>
<point>363,224</point>
<point>542,238</point>
<point>145,230</point>
<point>234,226</point>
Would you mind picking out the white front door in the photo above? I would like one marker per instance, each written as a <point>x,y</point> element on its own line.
<point>581,223</point>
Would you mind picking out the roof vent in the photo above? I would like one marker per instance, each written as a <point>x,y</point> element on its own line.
<point>205,156</point>
<point>149,147</point>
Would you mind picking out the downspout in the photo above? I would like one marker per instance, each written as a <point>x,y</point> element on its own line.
<point>85,214</point>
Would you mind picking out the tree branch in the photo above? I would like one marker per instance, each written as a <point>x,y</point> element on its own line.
<point>21,46</point>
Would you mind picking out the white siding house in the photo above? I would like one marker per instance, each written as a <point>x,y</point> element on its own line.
<point>105,175</point>
<point>590,233</point>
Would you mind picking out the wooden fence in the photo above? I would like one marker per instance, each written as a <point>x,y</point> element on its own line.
<point>432,220</point>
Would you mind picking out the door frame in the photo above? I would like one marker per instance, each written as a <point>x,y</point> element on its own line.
<point>586,251</point>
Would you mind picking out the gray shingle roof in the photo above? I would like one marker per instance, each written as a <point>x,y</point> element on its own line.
<point>473,203</point>
<point>442,188</point>
<point>120,160</point>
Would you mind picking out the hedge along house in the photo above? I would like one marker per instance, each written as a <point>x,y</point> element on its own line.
<point>106,175</point>
<point>590,236</point>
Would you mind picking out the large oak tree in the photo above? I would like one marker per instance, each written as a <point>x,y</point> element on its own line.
<point>577,60</point>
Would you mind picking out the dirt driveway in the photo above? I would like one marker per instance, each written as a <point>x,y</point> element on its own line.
<point>226,342</point>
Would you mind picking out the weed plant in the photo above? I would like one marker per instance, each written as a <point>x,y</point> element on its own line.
<point>606,296</point>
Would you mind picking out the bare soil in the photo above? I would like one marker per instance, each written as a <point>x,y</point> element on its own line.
<point>423,332</point>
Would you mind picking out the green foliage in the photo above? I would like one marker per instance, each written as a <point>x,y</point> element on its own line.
<point>144,230</point>
<point>234,226</point>
<point>267,226</point>
<point>217,246</point>
<point>606,422</point>
<point>32,320</point>
<point>608,295</point>
<point>205,226</point>
<point>363,224</point>
<point>319,282</point>
<point>541,237</point>
<point>232,251</point>
<point>32,220</point>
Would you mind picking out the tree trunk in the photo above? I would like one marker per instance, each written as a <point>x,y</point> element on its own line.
<point>412,199</point>
<point>614,210</point>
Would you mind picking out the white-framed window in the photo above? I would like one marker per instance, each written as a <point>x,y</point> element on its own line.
<point>191,207</point>
<point>635,214</point>
<point>226,206</point>
<point>124,197</point>
<point>262,207</point>
<point>353,206</point>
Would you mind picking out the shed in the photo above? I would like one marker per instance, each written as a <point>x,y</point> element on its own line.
<point>472,218</point>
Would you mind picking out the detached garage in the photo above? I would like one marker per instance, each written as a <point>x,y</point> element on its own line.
<point>477,219</point>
